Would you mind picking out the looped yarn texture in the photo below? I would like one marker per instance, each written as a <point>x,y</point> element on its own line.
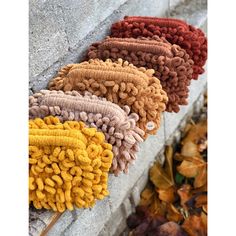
<point>192,39</point>
<point>171,63</point>
<point>118,125</point>
<point>119,82</point>
<point>68,164</point>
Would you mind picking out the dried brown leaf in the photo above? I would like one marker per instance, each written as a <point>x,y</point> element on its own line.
<point>159,177</point>
<point>167,195</point>
<point>157,207</point>
<point>196,133</point>
<point>147,197</point>
<point>173,214</point>
<point>200,200</point>
<point>190,149</point>
<point>194,167</point>
<point>204,208</point>
<point>201,178</point>
<point>169,162</point>
<point>195,226</point>
<point>169,228</point>
<point>185,194</point>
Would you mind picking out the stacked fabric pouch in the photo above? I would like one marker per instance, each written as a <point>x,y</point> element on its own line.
<point>68,164</point>
<point>119,82</point>
<point>176,31</point>
<point>171,63</point>
<point>117,124</point>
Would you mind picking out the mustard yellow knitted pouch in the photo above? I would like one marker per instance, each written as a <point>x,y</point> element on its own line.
<point>119,82</point>
<point>118,125</point>
<point>68,164</point>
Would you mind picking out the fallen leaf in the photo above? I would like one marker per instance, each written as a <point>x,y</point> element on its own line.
<point>202,145</point>
<point>169,228</point>
<point>178,157</point>
<point>157,207</point>
<point>194,167</point>
<point>185,194</point>
<point>196,132</point>
<point>169,162</point>
<point>201,177</point>
<point>190,149</point>
<point>173,214</point>
<point>186,129</point>
<point>204,219</point>
<point>141,229</point>
<point>146,197</point>
<point>200,200</point>
<point>159,177</point>
<point>195,226</point>
<point>137,218</point>
<point>190,166</point>
<point>149,199</point>
<point>204,208</point>
<point>200,190</point>
<point>167,195</point>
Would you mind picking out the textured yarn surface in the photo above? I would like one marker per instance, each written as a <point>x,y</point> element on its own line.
<point>192,39</point>
<point>171,63</point>
<point>118,125</point>
<point>119,82</point>
<point>68,164</point>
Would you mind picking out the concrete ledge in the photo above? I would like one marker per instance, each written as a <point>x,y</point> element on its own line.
<point>44,61</point>
<point>107,218</point>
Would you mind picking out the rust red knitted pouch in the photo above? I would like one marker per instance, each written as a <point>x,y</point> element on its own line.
<point>119,82</point>
<point>118,125</point>
<point>176,31</point>
<point>171,63</point>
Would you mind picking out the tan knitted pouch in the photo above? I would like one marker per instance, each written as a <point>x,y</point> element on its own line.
<point>118,125</point>
<point>171,63</point>
<point>119,82</point>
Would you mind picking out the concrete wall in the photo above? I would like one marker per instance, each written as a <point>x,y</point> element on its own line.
<point>60,33</point>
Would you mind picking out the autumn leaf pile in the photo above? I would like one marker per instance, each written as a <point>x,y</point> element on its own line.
<point>175,199</point>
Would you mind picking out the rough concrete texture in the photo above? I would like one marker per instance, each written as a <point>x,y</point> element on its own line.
<point>194,12</point>
<point>39,219</point>
<point>58,22</point>
<point>44,61</point>
<point>48,40</point>
<point>62,224</point>
<point>90,221</point>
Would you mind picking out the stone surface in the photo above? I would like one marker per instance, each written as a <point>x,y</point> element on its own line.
<point>115,221</point>
<point>127,207</point>
<point>104,232</point>
<point>194,12</point>
<point>62,223</point>
<point>89,222</point>
<point>38,220</point>
<point>81,17</point>
<point>135,195</point>
<point>47,36</point>
<point>56,22</point>
<point>71,54</point>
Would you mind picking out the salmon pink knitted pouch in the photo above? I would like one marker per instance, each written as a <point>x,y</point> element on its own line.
<point>117,124</point>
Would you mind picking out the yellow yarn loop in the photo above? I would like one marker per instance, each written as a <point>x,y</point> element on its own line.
<point>68,164</point>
